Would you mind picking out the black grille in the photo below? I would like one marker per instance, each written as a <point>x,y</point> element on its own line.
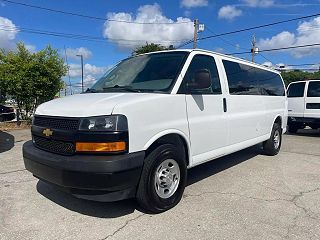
<point>56,123</point>
<point>60,147</point>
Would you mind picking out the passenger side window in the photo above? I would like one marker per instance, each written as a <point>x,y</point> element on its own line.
<point>314,89</point>
<point>296,90</point>
<point>202,62</point>
<point>270,83</point>
<point>249,80</point>
<point>241,78</point>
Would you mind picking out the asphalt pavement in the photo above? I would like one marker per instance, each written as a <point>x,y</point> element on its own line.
<point>246,195</point>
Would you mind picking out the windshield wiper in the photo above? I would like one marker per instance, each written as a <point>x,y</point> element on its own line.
<point>91,90</point>
<point>126,88</point>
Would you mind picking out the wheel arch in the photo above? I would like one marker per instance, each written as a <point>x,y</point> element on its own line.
<point>277,119</point>
<point>175,137</point>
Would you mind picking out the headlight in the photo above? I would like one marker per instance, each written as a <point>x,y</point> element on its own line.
<point>110,123</point>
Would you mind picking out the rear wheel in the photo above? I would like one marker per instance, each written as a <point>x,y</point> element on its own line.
<point>163,179</point>
<point>272,146</point>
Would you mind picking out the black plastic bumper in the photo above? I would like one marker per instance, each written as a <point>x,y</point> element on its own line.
<point>102,178</point>
<point>303,120</point>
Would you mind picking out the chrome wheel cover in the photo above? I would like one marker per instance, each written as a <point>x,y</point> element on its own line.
<point>167,178</point>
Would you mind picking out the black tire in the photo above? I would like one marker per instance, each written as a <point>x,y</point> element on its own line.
<point>147,196</point>
<point>271,147</point>
<point>293,128</point>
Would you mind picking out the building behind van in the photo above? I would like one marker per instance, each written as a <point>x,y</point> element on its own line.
<point>304,105</point>
<point>149,119</point>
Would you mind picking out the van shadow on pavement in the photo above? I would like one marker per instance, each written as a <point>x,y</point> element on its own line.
<point>90,208</point>
<point>6,141</point>
<point>307,132</point>
<point>213,167</point>
<point>125,207</point>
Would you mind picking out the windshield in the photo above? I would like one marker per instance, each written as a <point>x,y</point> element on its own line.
<point>155,72</point>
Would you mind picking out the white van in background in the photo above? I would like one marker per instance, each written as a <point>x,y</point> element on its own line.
<point>150,118</point>
<point>303,105</point>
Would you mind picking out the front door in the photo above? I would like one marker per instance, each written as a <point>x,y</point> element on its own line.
<point>206,117</point>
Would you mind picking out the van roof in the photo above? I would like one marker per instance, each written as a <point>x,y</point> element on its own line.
<point>220,54</point>
<point>305,81</point>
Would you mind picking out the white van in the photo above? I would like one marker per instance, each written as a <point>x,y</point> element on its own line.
<point>303,105</point>
<point>150,118</point>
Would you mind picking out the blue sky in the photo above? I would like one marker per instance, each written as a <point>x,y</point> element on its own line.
<point>218,17</point>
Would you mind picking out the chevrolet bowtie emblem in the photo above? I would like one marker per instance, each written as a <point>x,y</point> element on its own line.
<point>47,132</point>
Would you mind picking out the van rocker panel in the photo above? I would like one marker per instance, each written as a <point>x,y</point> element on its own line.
<point>116,173</point>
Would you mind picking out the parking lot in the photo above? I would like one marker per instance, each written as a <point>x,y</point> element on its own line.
<point>242,196</point>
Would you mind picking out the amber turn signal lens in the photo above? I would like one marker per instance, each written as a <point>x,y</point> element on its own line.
<point>100,147</point>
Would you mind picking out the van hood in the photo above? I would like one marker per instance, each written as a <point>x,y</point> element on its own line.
<point>86,105</point>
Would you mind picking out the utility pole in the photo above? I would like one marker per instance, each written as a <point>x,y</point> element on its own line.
<point>253,49</point>
<point>195,34</point>
<point>81,56</point>
<point>66,59</point>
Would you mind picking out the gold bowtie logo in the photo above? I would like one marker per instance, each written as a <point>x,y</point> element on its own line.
<point>47,132</point>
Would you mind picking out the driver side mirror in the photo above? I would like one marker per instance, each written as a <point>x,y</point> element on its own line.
<point>201,81</point>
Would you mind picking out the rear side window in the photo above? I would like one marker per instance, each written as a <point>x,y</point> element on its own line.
<point>241,79</point>
<point>296,90</point>
<point>270,83</point>
<point>200,62</point>
<point>314,89</point>
<point>248,80</point>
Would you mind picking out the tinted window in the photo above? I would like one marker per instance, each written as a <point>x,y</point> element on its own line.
<point>270,83</point>
<point>248,80</point>
<point>241,79</point>
<point>296,89</point>
<point>314,89</point>
<point>201,62</point>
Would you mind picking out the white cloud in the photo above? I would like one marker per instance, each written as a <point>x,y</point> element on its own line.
<point>194,3</point>
<point>282,39</point>
<point>259,3</point>
<point>164,34</point>
<point>88,69</point>
<point>229,12</point>
<point>73,52</point>
<point>8,33</point>
<point>267,64</point>
<point>308,32</point>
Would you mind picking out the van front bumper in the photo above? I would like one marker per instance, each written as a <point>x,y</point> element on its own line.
<point>93,177</point>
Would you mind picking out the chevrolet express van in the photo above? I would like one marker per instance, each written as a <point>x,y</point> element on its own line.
<point>149,119</point>
<point>303,105</point>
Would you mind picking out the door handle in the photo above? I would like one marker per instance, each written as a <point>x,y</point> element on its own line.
<point>225,105</point>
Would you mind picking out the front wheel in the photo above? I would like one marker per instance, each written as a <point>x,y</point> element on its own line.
<point>272,146</point>
<point>163,179</point>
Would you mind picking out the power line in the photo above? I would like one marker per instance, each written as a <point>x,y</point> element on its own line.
<point>278,49</point>
<point>225,40</point>
<point>260,26</point>
<point>88,16</point>
<point>251,28</point>
<point>302,64</point>
<point>75,36</point>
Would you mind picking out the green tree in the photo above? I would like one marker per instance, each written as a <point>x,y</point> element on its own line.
<point>31,78</point>
<point>298,75</point>
<point>149,47</point>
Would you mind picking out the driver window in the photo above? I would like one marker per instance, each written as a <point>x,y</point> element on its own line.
<point>200,62</point>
